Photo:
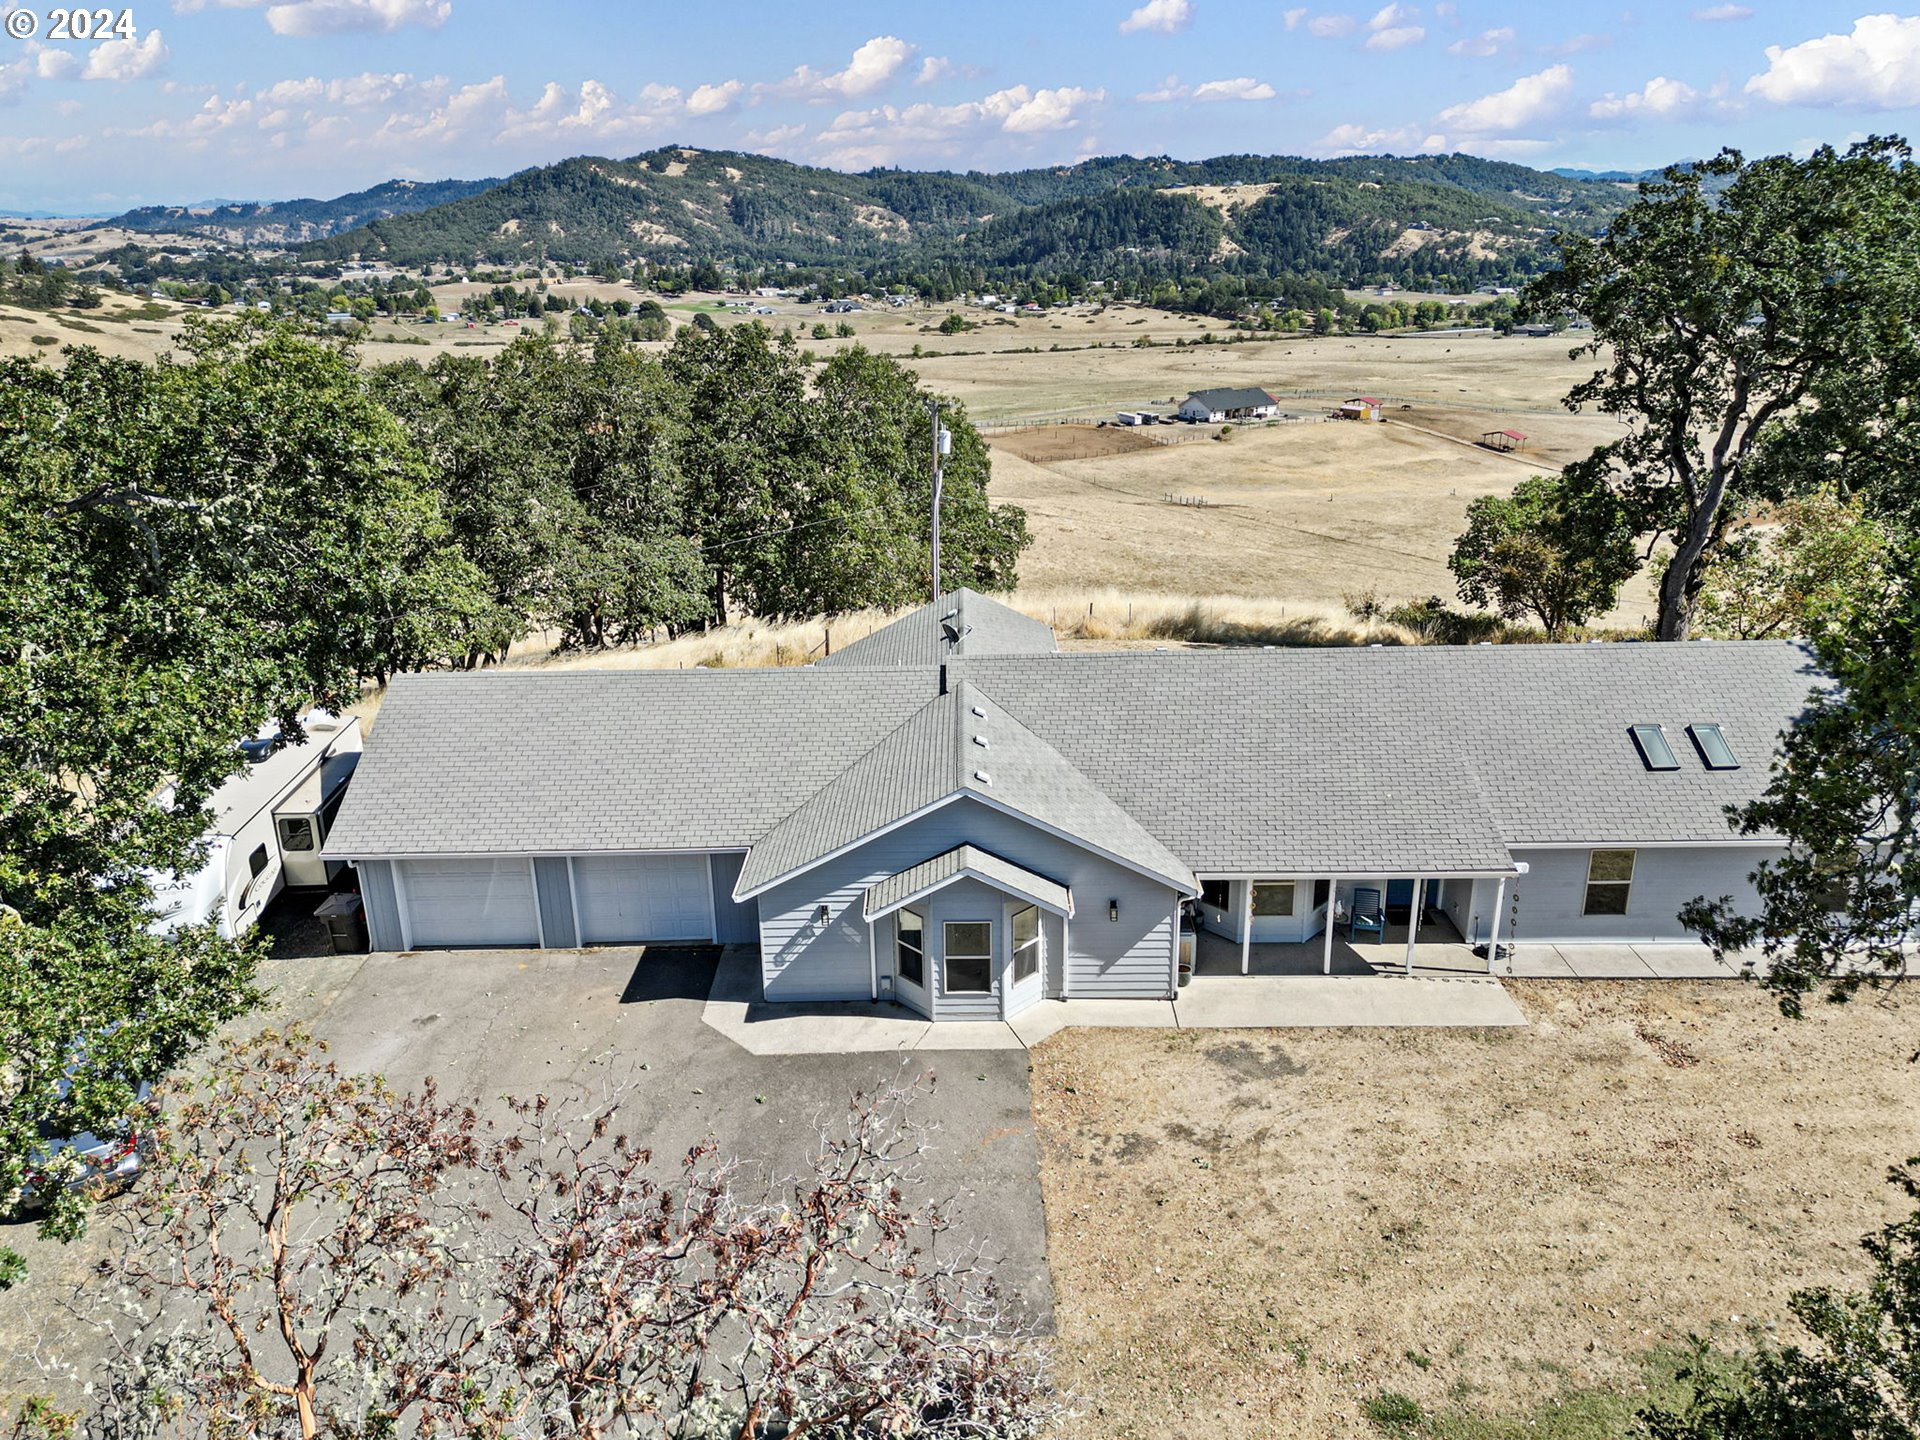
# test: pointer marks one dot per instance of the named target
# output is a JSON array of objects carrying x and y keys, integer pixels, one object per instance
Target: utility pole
[{"x": 942, "y": 447}]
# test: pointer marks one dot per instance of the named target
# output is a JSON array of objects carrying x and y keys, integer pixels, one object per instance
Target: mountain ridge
[
  {"x": 296, "y": 221},
  {"x": 1412, "y": 218}
]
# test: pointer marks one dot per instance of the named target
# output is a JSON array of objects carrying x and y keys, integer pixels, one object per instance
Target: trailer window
[
  {"x": 296, "y": 833},
  {"x": 257, "y": 861}
]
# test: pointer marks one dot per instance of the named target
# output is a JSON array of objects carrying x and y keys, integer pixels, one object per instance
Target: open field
[
  {"x": 1306, "y": 513},
  {"x": 1253, "y": 1234},
  {"x": 1311, "y": 512}
]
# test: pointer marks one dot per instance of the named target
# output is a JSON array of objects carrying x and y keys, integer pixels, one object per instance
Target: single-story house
[
  {"x": 1361, "y": 407},
  {"x": 952, "y": 814},
  {"x": 1216, "y": 406}
]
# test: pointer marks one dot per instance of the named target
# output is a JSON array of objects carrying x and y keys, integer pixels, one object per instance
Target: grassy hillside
[
  {"x": 280, "y": 222},
  {"x": 1349, "y": 220}
]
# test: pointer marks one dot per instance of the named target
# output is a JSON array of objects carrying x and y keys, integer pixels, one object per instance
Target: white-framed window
[
  {"x": 1609, "y": 882},
  {"x": 910, "y": 947},
  {"x": 967, "y": 949},
  {"x": 1026, "y": 943},
  {"x": 1273, "y": 897}
]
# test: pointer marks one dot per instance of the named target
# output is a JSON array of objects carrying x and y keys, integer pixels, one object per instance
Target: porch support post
[
  {"x": 873, "y": 960},
  {"x": 1413, "y": 918},
  {"x": 1246, "y": 928},
  {"x": 1326, "y": 949},
  {"x": 1493, "y": 937}
]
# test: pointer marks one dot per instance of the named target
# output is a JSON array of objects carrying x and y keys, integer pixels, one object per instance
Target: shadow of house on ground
[{"x": 671, "y": 972}]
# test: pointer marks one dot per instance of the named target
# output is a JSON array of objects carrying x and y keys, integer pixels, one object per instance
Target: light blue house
[{"x": 953, "y": 815}]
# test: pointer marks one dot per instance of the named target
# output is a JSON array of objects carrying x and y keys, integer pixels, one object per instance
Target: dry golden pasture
[
  {"x": 1306, "y": 513},
  {"x": 1252, "y": 1232}
]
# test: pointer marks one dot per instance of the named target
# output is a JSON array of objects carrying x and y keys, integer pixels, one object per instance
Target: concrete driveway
[{"x": 486, "y": 1024}]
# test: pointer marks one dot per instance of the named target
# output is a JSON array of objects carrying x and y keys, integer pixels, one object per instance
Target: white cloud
[
  {"x": 1720, "y": 13},
  {"x": 1294, "y": 16},
  {"x": 123, "y": 60},
  {"x": 1877, "y": 65},
  {"x": 51, "y": 62},
  {"x": 1529, "y": 99},
  {"x": 1167, "y": 90},
  {"x": 777, "y": 138},
  {"x": 886, "y": 134},
  {"x": 1396, "y": 37},
  {"x": 1329, "y": 27},
  {"x": 335, "y": 17},
  {"x": 1660, "y": 98},
  {"x": 933, "y": 68},
  {"x": 1164, "y": 17},
  {"x": 1580, "y": 44},
  {"x": 1487, "y": 42},
  {"x": 1355, "y": 139},
  {"x": 1388, "y": 17},
  {"x": 871, "y": 67},
  {"x": 1242, "y": 87},
  {"x": 1044, "y": 109},
  {"x": 713, "y": 99}
]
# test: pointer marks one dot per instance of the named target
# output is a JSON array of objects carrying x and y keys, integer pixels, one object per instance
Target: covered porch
[
  {"x": 1438, "y": 952},
  {"x": 1441, "y": 924}
]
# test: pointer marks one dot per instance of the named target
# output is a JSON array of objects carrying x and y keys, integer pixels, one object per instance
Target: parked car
[{"x": 108, "y": 1163}]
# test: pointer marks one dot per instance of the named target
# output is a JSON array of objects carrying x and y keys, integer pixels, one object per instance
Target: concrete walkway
[
  {"x": 1615, "y": 962},
  {"x": 734, "y": 1009}
]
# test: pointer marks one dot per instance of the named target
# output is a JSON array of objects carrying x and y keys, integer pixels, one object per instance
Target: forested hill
[
  {"x": 284, "y": 222},
  {"x": 1350, "y": 221}
]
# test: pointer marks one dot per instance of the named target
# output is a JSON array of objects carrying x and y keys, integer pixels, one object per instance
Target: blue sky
[{"x": 259, "y": 99}]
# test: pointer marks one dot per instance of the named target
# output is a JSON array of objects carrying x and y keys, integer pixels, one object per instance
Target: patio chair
[{"x": 1367, "y": 914}]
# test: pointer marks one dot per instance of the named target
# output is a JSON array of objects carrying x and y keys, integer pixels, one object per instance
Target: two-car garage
[{"x": 515, "y": 901}]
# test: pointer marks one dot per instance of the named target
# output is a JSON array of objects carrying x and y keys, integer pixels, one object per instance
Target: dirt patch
[
  {"x": 1047, "y": 444},
  {"x": 1251, "y": 1239}
]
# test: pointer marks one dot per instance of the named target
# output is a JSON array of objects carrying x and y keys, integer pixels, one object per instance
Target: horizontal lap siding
[
  {"x": 1131, "y": 958},
  {"x": 1553, "y": 892},
  {"x": 965, "y": 900},
  {"x": 381, "y": 905}
]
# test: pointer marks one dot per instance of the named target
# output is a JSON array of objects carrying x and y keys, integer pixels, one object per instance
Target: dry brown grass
[{"x": 1252, "y": 1232}]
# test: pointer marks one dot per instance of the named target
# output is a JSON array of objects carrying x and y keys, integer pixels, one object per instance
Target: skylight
[
  {"x": 1715, "y": 752},
  {"x": 1651, "y": 742}
]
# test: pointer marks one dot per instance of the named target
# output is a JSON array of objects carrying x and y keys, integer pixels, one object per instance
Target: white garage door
[
  {"x": 469, "y": 902},
  {"x": 627, "y": 898}
]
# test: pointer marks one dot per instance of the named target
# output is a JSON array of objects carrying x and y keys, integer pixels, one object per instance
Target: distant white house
[{"x": 1215, "y": 406}]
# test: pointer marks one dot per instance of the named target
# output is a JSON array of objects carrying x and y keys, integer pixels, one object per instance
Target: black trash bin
[{"x": 346, "y": 924}]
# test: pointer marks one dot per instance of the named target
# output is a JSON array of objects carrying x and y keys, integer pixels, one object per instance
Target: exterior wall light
[
  {"x": 820, "y": 918},
  {"x": 1113, "y": 909}
]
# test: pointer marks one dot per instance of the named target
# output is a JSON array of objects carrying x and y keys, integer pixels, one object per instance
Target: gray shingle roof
[
  {"x": 1398, "y": 757},
  {"x": 572, "y": 762},
  {"x": 930, "y": 875},
  {"x": 1231, "y": 398},
  {"x": 1270, "y": 762},
  {"x": 936, "y": 755},
  {"x": 961, "y": 623}
]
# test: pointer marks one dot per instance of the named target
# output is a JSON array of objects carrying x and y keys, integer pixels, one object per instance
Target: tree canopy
[
  {"x": 1547, "y": 550},
  {"x": 190, "y": 549},
  {"x": 1753, "y": 323}
]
